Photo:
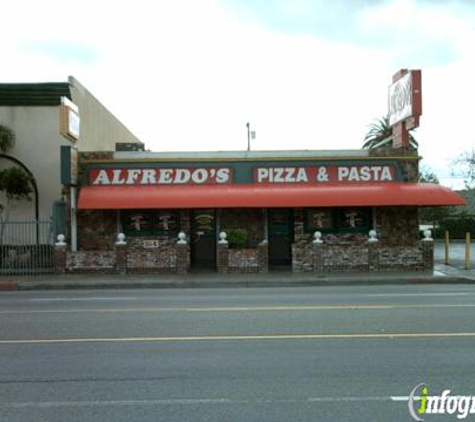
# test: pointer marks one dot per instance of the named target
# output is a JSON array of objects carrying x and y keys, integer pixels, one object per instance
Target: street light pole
[{"x": 248, "y": 137}]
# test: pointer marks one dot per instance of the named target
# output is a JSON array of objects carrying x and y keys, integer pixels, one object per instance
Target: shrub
[
  {"x": 237, "y": 238},
  {"x": 457, "y": 227}
]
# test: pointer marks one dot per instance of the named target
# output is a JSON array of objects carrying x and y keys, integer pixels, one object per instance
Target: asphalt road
[{"x": 283, "y": 354}]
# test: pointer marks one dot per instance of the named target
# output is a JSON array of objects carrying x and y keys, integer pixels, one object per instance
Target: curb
[
  {"x": 28, "y": 286},
  {"x": 8, "y": 286}
]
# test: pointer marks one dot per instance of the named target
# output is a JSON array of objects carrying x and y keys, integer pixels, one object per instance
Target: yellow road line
[
  {"x": 290, "y": 308},
  {"x": 242, "y": 338},
  {"x": 239, "y": 309},
  {"x": 327, "y": 308}
]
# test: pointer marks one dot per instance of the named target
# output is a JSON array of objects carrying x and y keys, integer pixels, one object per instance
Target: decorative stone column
[
  {"x": 427, "y": 251},
  {"x": 182, "y": 254},
  {"x": 263, "y": 256},
  {"x": 60, "y": 249},
  {"x": 317, "y": 244},
  {"x": 223, "y": 254},
  {"x": 373, "y": 251},
  {"x": 299, "y": 233},
  {"x": 121, "y": 254}
]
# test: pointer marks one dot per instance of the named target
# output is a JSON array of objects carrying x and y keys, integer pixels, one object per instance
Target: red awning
[{"x": 266, "y": 196}]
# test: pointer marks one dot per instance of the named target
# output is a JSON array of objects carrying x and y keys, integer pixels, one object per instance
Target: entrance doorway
[
  {"x": 281, "y": 235},
  {"x": 203, "y": 239}
]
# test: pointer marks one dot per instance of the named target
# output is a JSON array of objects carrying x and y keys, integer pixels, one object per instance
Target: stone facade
[
  {"x": 152, "y": 261},
  {"x": 398, "y": 226},
  {"x": 367, "y": 257},
  {"x": 123, "y": 260},
  {"x": 90, "y": 261},
  {"x": 246, "y": 260},
  {"x": 243, "y": 260},
  {"x": 398, "y": 247},
  {"x": 97, "y": 230}
]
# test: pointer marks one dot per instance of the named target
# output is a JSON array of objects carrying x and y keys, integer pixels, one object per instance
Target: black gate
[{"x": 26, "y": 248}]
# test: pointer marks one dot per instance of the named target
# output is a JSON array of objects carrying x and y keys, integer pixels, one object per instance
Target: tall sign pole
[
  {"x": 405, "y": 105},
  {"x": 69, "y": 128}
]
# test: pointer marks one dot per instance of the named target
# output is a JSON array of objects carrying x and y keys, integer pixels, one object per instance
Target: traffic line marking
[
  {"x": 189, "y": 401},
  {"x": 241, "y": 338},
  {"x": 240, "y": 309},
  {"x": 78, "y": 299},
  {"x": 404, "y": 398}
]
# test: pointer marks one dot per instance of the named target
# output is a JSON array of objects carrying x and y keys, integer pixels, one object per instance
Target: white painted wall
[{"x": 38, "y": 143}]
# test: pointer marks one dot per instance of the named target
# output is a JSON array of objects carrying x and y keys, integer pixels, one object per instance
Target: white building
[{"x": 32, "y": 112}]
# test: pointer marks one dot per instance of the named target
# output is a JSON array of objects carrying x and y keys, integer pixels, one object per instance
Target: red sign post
[{"x": 405, "y": 105}]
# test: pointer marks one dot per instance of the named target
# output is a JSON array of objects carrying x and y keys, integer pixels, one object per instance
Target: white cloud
[{"x": 188, "y": 75}]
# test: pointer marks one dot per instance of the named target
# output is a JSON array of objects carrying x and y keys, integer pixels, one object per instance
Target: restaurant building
[{"x": 252, "y": 211}]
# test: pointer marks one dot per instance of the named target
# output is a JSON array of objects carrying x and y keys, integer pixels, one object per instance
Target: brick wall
[
  {"x": 345, "y": 259},
  {"x": 160, "y": 258},
  {"x": 398, "y": 226},
  {"x": 243, "y": 260},
  {"x": 302, "y": 256},
  {"x": 97, "y": 230},
  {"x": 247, "y": 260},
  {"x": 362, "y": 258},
  {"x": 399, "y": 246},
  {"x": 90, "y": 261}
]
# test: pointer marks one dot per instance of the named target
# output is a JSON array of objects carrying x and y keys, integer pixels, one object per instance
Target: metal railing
[{"x": 26, "y": 248}]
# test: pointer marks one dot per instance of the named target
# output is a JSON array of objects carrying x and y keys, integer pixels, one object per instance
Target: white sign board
[
  {"x": 74, "y": 123},
  {"x": 69, "y": 120},
  {"x": 400, "y": 99}
]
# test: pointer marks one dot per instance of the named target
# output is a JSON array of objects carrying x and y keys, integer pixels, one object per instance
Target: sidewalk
[{"x": 442, "y": 274}]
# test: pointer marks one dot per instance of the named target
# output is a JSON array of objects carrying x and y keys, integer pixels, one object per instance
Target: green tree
[
  {"x": 379, "y": 131},
  {"x": 432, "y": 215},
  {"x": 7, "y": 138},
  {"x": 466, "y": 164},
  {"x": 16, "y": 185},
  {"x": 426, "y": 175}
]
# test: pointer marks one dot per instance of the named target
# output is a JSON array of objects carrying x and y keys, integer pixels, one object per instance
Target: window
[
  {"x": 150, "y": 223},
  {"x": 337, "y": 220},
  {"x": 353, "y": 219},
  {"x": 320, "y": 219}
]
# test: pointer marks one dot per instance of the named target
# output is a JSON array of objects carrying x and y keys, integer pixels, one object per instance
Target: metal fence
[{"x": 26, "y": 248}]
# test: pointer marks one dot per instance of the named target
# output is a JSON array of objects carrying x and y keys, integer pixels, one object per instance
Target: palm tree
[
  {"x": 379, "y": 131},
  {"x": 7, "y": 138}
]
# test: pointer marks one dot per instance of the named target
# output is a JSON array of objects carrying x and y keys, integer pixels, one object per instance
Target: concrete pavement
[
  {"x": 453, "y": 273},
  {"x": 291, "y": 354}
]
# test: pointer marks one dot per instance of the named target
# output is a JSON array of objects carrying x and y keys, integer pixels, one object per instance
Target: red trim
[{"x": 266, "y": 196}]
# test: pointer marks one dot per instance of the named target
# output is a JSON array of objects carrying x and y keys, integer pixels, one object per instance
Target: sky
[{"x": 307, "y": 74}]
